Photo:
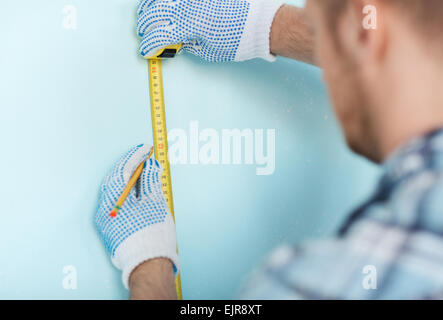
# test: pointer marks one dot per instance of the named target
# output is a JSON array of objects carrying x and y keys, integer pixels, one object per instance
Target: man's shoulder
[
  {"x": 372, "y": 261},
  {"x": 390, "y": 248},
  {"x": 393, "y": 250}
]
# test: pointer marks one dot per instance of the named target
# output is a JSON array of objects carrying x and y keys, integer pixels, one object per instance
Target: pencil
[{"x": 137, "y": 173}]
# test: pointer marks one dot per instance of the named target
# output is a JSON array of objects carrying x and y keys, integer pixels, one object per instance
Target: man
[{"x": 387, "y": 89}]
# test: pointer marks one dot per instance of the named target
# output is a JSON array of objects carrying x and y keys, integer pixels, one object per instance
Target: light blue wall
[{"x": 72, "y": 101}]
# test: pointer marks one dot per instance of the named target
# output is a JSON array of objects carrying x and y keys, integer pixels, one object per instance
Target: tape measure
[{"x": 160, "y": 133}]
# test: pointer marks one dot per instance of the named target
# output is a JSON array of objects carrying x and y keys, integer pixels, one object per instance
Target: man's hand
[
  {"x": 144, "y": 228},
  {"x": 215, "y": 30}
]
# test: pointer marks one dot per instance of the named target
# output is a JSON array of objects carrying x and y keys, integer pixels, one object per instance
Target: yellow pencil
[{"x": 129, "y": 186}]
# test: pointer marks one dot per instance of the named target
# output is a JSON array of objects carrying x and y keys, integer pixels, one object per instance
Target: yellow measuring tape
[{"x": 160, "y": 132}]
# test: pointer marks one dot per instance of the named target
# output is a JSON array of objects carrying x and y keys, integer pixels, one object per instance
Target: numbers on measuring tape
[{"x": 159, "y": 126}]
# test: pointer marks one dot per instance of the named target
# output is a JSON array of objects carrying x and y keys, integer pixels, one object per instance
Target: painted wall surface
[{"x": 73, "y": 100}]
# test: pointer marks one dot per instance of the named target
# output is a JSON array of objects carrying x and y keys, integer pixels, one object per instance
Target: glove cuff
[
  {"x": 155, "y": 241},
  {"x": 255, "y": 42}
]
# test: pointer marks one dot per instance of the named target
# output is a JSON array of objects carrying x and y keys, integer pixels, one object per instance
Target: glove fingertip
[
  {"x": 143, "y": 5},
  {"x": 132, "y": 160},
  {"x": 149, "y": 53},
  {"x": 153, "y": 42}
]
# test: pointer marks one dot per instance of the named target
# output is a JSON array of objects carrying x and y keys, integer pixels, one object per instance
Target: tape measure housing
[{"x": 167, "y": 52}]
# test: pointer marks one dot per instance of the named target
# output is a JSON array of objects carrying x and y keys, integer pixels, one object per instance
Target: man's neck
[{"x": 412, "y": 105}]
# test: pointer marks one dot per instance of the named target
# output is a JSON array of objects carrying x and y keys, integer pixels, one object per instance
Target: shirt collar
[{"x": 416, "y": 155}]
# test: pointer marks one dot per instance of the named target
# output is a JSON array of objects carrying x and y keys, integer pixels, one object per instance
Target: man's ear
[{"x": 361, "y": 30}]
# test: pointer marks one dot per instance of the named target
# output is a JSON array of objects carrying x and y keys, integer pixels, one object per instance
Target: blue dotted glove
[
  {"x": 215, "y": 30},
  {"x": 144, "y": 228}
]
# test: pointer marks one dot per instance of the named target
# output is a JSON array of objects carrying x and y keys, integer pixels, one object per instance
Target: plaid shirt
[{"x": 390, "y": 248}]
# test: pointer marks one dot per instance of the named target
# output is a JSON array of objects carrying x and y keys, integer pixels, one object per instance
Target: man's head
[{"x": 380, "y": 60}]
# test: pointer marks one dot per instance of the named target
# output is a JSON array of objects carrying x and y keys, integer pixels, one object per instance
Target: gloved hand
[
  {"x": 215, "y": 30},
  {"x": 144, "y": 228}
]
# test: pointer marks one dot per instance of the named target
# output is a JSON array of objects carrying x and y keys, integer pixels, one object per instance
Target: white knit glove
[
  {"x": 215, "y": 30},
  {"x": 144, "y": 228}
]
